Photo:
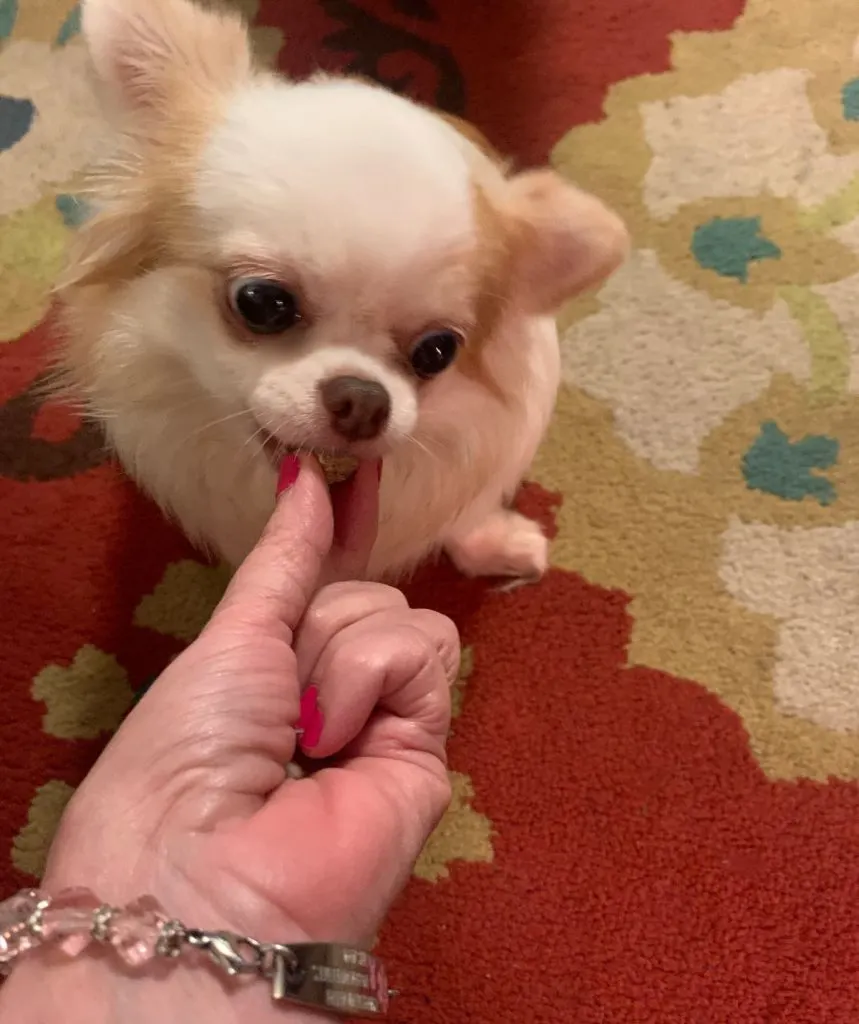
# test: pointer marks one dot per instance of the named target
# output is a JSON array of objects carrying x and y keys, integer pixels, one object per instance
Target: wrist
[{"x": 46, "y": 987}]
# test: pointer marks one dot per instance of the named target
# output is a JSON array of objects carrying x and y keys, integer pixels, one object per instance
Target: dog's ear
[
  {"x": 147, "y": 54},
  {"x": 564, "y": 240}
]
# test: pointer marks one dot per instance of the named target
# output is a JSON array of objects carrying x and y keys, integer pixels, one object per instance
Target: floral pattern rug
[{"x": 655, "y": 751}]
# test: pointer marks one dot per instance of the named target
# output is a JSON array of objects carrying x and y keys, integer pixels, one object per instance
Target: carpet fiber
[{"x": 656, "y": 750}]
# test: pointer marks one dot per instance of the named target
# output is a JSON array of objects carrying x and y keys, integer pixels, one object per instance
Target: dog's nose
[{"x": 357, "y": 409}]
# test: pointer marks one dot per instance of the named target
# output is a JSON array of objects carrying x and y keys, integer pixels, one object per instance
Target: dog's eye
[
  {"x": 265, "y": 307},
  {"x": 434, "y": 352}
]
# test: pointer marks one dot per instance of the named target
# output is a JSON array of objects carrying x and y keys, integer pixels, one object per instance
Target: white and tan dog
[{"x": 320, "y": 265}]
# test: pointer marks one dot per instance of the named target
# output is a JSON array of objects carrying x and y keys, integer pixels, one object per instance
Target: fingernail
[
  {"x": 379, "y": 468},
  {"x": 289, "y": 470},
  {"x": 310, "y": 720}
]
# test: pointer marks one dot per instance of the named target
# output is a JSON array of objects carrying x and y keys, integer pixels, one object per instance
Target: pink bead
[
  {"x": 18, "y": 908},
  {"x": 67, "y": 922},
  {"x": 15, "y": 937},
  {"x": 134, "y": 931}
]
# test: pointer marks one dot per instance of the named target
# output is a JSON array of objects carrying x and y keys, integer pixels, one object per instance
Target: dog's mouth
[{"x": 337, "y": 465}]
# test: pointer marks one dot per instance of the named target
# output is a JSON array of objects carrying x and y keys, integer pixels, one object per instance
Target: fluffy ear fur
[
  {"x": 163, "y": 67},
  {"x": 147, "y": 53},
  {"x": 566, "y": 240}
]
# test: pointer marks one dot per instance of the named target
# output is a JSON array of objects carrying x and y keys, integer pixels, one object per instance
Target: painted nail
[
  {"x": 289, "y": 470},
  {"x": 310, "y": 720}
]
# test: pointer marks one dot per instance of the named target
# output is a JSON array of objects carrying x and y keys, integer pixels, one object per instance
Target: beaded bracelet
[{"x": 318, "y": 975}]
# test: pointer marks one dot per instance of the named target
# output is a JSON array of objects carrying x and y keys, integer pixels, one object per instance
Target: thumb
[{"x": 273, "y": 586}]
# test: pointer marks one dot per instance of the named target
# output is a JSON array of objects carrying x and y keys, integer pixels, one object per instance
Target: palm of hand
[{"x": 191, "y": 802}]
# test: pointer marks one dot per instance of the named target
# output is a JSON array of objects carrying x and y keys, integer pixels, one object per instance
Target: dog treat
[{"x": 337, "y": 468}]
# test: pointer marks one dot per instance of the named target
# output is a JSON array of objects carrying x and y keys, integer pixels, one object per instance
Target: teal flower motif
[
  {"x": 729, "y": 244},
  {"x": 16, "y": 117},
  {"x": 850, "y": 100},
  {"x": 776, "y": 465},
  {"x": 8, "y": 17},
  {"x": 72, "y": 209},
  {"x": 70, "y": 27}
]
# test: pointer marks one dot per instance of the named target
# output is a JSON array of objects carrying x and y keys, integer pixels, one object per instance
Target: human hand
[{"x": 190, "y": 801}]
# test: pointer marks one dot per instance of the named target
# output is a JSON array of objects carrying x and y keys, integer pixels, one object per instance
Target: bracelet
[{"x": 318, "y": 975}]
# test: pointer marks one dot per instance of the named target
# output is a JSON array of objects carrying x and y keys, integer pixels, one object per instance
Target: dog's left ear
[
  {"x": 147, "y": 54},
  {"x": 564, "y": 240}
]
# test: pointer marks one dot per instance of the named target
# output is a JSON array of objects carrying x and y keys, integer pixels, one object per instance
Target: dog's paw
[{"x": 507, "y": 544}]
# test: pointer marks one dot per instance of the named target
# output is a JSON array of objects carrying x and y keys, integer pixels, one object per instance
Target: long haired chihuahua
[{"x": 323, "y": 266}]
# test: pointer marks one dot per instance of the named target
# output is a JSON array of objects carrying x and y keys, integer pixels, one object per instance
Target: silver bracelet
[{"x": 319, "y": 975}]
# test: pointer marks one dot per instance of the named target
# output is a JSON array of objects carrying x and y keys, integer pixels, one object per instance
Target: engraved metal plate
[{"x": 335, "y": 978}]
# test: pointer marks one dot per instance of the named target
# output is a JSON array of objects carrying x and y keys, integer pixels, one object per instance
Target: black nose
[{"x": 357, "y": 409}]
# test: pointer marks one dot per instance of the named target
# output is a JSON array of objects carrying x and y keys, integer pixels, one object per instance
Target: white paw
[{"x": 507, "y": 544}]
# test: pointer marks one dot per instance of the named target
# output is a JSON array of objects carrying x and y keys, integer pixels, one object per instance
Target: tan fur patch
[
  {"x": 144, "y": 212},
  {"x": 494, "y": 273},
  {"x": 498, "y": 242},
  {"x": 476, "y": 137},
  {"x": 146, "y": 221},
  {"x": 171, "y": 51}
]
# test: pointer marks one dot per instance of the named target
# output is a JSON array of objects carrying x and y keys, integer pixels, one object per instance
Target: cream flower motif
[
  {"x": 758, "y": 135},
  {"x": 673, "y": 363},
  {"x": 808, "y": 580},
  {"x": 740, "y": 170},
  {"x": 66, "y": 128}
]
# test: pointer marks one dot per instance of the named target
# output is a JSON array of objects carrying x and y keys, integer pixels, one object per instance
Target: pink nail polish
[
  {"x": 289, "y": 470},
  {"x": 311, "y": 719}
]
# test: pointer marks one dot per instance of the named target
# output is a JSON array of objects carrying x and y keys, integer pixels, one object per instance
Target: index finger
[{"x": 273, "y": 586}]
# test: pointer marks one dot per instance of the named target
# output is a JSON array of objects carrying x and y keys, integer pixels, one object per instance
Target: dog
[{"x": 320, "y": 265}]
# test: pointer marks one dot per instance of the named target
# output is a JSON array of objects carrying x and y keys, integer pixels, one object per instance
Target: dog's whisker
[
  {"x": 422, "y": 446},
  {"x": 217, "y": 423}
]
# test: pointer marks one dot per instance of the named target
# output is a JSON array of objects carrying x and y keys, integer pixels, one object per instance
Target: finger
[
  {"x": 401, "y": 662},
  {"x": 382, "y": 799},
  {"x": 332, "y": 610},
  {"x": 356, "y": 523},
  {"x": 273, "y": 586}
]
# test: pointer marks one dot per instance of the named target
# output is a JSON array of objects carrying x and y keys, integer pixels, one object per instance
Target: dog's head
[{"x": 328, "y": 254}]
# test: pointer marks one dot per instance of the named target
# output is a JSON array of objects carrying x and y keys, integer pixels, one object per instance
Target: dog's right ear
[
  {"x": 149, "y": 54},
  {"x": 564, "y": 240}
]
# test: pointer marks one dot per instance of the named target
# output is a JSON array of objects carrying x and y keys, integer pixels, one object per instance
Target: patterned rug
[{"x": 656, "y": 750}]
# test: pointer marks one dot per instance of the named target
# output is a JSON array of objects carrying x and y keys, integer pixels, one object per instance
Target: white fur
[
  {"x": 365, "y": 205},
  {"x": 189, "y": 439}
]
